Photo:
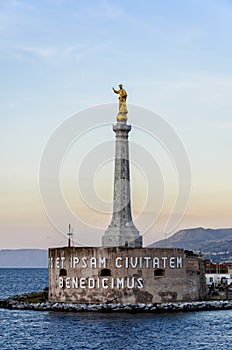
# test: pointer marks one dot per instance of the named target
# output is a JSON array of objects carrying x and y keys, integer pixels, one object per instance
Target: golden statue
[{"x": 122, "y": 115}]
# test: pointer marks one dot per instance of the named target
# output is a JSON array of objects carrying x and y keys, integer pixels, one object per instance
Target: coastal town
[{"x": 219, "y": 280}]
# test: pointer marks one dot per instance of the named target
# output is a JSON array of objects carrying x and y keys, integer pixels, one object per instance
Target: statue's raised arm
[{"x": 122, "y": 100}]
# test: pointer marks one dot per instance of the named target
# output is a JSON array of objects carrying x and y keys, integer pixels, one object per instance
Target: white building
[{"x": 218, "y": 278}]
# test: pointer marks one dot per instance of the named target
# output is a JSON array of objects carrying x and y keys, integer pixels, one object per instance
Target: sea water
[{"x": 22, "y": 329}]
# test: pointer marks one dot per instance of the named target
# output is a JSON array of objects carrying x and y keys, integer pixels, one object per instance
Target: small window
[
  {"x": 159, "y": 272},
  {"x": 63, "y": 272},
  {"x": 105, "y": 272}
]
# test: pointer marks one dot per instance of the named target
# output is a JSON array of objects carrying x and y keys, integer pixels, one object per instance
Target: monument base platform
[{"x": 125, "y": 275}]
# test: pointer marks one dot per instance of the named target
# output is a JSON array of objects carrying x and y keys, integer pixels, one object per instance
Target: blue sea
[{"x": 34, "y": 330}]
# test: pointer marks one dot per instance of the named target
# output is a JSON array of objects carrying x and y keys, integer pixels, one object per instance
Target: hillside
[
  {"x": 213, "y": 243},
  {"x": 23, "y": 258}
]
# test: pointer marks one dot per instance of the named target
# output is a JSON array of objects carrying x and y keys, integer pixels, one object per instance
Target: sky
[{"x": 58, "y": 62}]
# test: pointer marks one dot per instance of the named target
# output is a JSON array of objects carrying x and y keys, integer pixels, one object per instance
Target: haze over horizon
[{"x": 61, "y": 57}]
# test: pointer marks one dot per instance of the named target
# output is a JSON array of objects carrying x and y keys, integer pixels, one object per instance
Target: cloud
[
  {"x": 225, "y": 125},
  {"x": 106, "y": 9},
  {"x": 48, "y": 52},
  {"x": 39, "y": 51}
]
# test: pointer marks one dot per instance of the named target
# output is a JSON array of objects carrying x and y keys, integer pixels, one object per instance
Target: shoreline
[{"x": 13, "y": 304}]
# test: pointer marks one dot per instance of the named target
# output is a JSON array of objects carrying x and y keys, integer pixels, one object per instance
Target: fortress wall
[{"x": 124, "y": 275}]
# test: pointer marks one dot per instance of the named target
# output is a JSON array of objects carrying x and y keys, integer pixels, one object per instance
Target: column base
[{"x": 122, "y": 239}]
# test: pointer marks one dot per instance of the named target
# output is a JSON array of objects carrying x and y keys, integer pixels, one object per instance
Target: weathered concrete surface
[
  {"x": 124, "y": 275},
  {"x": 122, "y": 230}
]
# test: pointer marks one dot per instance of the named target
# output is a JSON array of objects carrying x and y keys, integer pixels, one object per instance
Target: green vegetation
[{"x": 35, "y": 297}]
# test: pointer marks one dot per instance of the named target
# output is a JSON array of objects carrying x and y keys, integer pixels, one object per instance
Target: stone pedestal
[{"x": 122, "y": 231}]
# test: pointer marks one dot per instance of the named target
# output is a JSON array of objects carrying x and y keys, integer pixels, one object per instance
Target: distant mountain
[
  {"x": 23, "y": 258},
  {"x": 213, "y": 243}
]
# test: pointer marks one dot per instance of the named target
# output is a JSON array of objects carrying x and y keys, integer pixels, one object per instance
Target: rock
[
  {"x": 21, "y": 304},
  {"x": 153, "y": 308},
  {"x": 94, "y": 307}
]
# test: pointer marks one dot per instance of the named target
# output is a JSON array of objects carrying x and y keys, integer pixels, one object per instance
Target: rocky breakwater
[{"x": 38, "y": 301}]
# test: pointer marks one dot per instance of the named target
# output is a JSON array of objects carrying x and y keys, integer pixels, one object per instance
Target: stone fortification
[{"x": 124, "y": 275}]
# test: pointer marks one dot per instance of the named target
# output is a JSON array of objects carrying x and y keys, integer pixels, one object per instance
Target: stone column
[{"x": 122, "y": 231}]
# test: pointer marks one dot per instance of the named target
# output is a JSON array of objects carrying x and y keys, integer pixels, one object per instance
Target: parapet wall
[{"x": 124, "y": 275}]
